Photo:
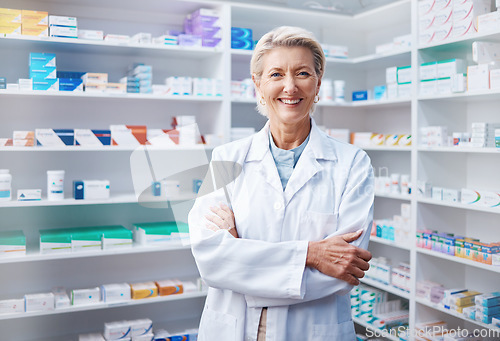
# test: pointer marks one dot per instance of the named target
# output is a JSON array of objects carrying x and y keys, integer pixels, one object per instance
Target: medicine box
[
  {"x": 8, "y": 15},
  {"x": 85, "y": 296},
  {"x": 44, "y": 84},
  {"x": 92, "y": 137},
  {"x": 140, "y": 327},
  {"x": 12, "y": 244},
  {"x": 112, "y": 293},
  {"x": 86, "y": 239},
  {"x": 55, "y": 241},
  {"x": 119, "y": 330},
  {"x": 161, "y": 232},
  {"x": 11, "y": 29},
  {"x": 404, "y": 74},
  {"x": 469, "y": 196},
  {"x": 29, "y": 194},
  {"x": 39, "y": 302},
  {"x": 241, "y": 33},
  {"x": 91, "y": 189},
  {"x": 488, "y": 299},
  {"x": 478, "y": 77},
  {"x": 95, "y": 78},
  {"x": 63, "y": 32},
  {"x": 114, "y": 237},
  {"x": 34, "y": 17},
  {"x": 90, "y": 34},
  {"x": 70, "y": 84},
  {"x": 169, "y": 287},
  {"x": 54, "y": 137},
  {"x": 143, "y": 290},
  {"x": 34, "y": 30},
  {"x": 128, "y": 135},
  {"x": 56, "y": 20},
  {"x": 360, "y": 95},
  {"x": 12, "y": 306}
]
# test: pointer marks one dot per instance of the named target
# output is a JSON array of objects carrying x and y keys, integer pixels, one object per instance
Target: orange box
[
  {"x": 9, "y": 28},
  {"x": 143, "y": 290},
  {"x": 35, "y": 30},
  {"x": 477, "y": 248},
  {"x": 169, "y": 287},
  {"x": 34, "y": 18},
  {"x": 10, "y": 16}
]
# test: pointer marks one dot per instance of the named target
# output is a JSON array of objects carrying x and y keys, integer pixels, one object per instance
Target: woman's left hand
[{"x": 223, "y": 219}]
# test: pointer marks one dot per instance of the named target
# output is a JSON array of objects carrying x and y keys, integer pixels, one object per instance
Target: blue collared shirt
[{"x": 286, "y": 159}]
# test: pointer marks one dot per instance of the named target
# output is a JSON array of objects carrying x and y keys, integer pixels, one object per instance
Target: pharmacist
[{"x": 284, "y": 242}]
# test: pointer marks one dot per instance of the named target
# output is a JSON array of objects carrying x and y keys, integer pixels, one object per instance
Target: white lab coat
[{"x": 330, "y": 192}]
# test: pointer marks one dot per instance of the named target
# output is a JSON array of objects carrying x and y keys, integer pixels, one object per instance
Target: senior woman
[{"x": 282, "y": 244}]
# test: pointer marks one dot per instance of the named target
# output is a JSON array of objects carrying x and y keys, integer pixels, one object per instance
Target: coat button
[{"x": 278, "y": 205}]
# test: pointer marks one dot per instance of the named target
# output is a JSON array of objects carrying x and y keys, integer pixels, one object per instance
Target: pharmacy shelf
[
  {"x": 459, "y": 205},
  {"x": 459, "y": 260},
  {"x": 454, "y": 313},
  {"x": 114, "y": 199},
  {"x": 469, "y": 96},
  {"x": 105, "y": 148},
  {"x": 389, "y": 288},
  {"x": 389, "y": 243},
  {"x": 391, "y": 55},
  {"x": 376, "y": 331},
  {"x": 101, "y": 46},
  {"x": 132, "y": 96},
  {"x": 102, "y": 305},
  {"x": 36, "y": 256},
  {"x": 461, "y": 42},
  {"x": 387, "y": 148},
  {"x": 393, "y": 196},
  {"x": 457, "y": 149}
]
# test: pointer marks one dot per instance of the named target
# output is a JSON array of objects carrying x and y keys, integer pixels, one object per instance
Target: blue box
[
  {"x": 43, "y": 72},
  {"x": 241, "y": 33},
  {"x": 156, "y": 189},
  {"x": 242, "y": 44},
  {"x": 42, "y": 59},
  {"x": 67, "y": 136},
  {"x": 360, "y": 95},
  {"x": 133, "y": 89},
  {"x": 70, "y": 84},
  {"x": 78, "y": 190},
  {"x": 46, "y": 84},
  {"x": 70, "y": 74},
  {"x": 379, "y": 92}
]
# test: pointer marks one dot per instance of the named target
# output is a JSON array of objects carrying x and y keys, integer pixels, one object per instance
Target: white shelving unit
[{"x": 444, "y": 166}]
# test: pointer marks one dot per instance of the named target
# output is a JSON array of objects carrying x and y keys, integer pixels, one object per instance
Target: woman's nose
[{"x": 290, "y": 85}]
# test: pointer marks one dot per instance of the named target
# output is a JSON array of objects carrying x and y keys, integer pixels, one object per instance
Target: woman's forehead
[{"x": 296, "y": 56}]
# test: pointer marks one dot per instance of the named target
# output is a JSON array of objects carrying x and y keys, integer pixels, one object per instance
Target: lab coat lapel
[{"x": 259, "y": 152}]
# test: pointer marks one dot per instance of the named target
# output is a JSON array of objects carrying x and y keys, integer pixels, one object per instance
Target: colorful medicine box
[
  {"x": 86, "y": 239},
  {"x": 162, "y": 232},
  {"x": 92, "y": 137},
  {"x": 55, "y": 241},
  {"x": 114, "y": 237},
  {"x": 12, "y": 244},
  {"x": 70, "y": 84},
  {"x": 169, "y": 287},
  {"x": 143, "y": 290},
  {"x": 55, "y": 137}
]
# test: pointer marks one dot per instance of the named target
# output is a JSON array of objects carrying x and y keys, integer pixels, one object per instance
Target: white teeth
[{"x": 289, "y": 101}]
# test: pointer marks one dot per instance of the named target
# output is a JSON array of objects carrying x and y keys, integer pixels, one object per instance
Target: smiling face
[{"x": 288, "y": 84}]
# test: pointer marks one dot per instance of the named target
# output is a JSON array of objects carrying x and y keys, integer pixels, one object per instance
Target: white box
[
  {"x": 428, "y": 71},
  {"x": 392, "y": 90},
  {"x": 489, "y": 22},
  {"x": 442, "y": 32},
  {"x": 428, "y": 87},
  {"x": 451, "y": 195},
  {"x": 478, "y": 77},
  {"x": 91, "y": 337},
  {"x": 147, "y": 337},
  {"x": 12, "y": 306},
  {"x": 404, "y": 90},
  {"x": 86, "y": 137},
  {"x": 384, "y": 48},
  {"x": 85, "y": 296},
  {"x": 56, "y": 20},
  {"x": 61, "y": 300},
  {"x": 141, "y": 38},
  {"x": 459, "y": 82},
  {"x": 495, "y": 79},
  {"x": 25, "y": 84},
  {"x": 91, "y": 189},
  {"x": 90, "y": 34},
  {"x": 140, "y": 327},
  {"x": 116, "y": 330},
  {"x": 117, "y": 38},
  {"x": 444, "y": 85},
  {"x": 424, "y": 188},
  {"x": 63, "y": 31},
  {"x": 484, "y": 52},
  {"x": 426, "y": 37},
  {"x": 170, "y": 188},
  {"x": 443, "y": 16},
  {"x": 447, "y": 68},
  {"x": 391, "y": 75},
  {"x": 39, "y": 302},
  {"x": 469, "y": 196},
  {"x": 111, "y": 293},
  {"x": 404, "y": 74},
  {"x": 402, "y": 42},
  {"x": 489, "y": 199},
  {"x": 437, "y": 193},
  {"x": 29, "y": 194}
]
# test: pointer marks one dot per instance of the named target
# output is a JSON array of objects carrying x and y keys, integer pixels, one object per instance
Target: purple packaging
[
  {"x": 437, "y": 294},
  {"x": 205, "y": 21},
  {"x": 210, "y": 42},
  {"x": 207, "y": 32},
  {"x": 188, "y": 25},
  {"x": 449, "y": 245},
  {"x": 189, "y": 40}
]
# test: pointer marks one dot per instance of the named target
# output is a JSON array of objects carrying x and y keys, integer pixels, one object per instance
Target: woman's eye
[
  {"x": 276, "y": 74},
  {"x": 304, "y": 73}
]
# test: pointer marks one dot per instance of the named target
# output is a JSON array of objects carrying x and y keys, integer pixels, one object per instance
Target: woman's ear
[
  {"x": 318, "y": 86},
  {"x": 256, "y": 82}
]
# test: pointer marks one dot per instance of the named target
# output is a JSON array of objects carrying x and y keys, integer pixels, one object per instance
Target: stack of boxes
[
  {"x": 139, "y": 79},
  {"x": 202, "y": 28},
  {"x": 3, "y": 83},
  {"x": 441, "y": 20},
  {"x": 12, "y": 244},
  {"x": 396, "y": 229},
  {"x": 241, "y": 38},
  {"x": 35, "y": 23},
  {"x": 483, "y": 134},
  {"x": 43, "y": 71},
  {"x": 10, "y": 21},
  {"x": 95, "y": 82},
  {"x": 442, "y": 77},
  {"x": 398, "y": 81},
  {"x": 63, "y": 27}
]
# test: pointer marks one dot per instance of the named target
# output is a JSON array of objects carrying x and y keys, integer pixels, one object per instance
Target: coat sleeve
[
  {"x": 238, "y": 264},
  {"x": 355, "y": 212}
]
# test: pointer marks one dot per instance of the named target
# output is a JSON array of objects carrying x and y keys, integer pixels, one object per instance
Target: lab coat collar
[{"x": 318, "y": 144}]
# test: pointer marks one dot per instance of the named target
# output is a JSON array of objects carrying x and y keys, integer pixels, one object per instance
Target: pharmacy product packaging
[
  {"x": 55, "y": 241},
  {"x": 478, "y": 77},
  {"x": 39, "y": 302},
  {"x": 169, "y": 287},
  {"x": 85, "y": 296},
  {"x": 39, "y": 18},
  {"x": 140, "y": 327},
  {"x": 86, "y": 239},
  {"x": 63, "y": 32},
  {"x": 128, "y": 135},
  {"x": 56, "y": 20},
  {"x": 12, "y": 244},
  {"x": 91, "y": 189},
  {"x": 113, "y": 293},
  {"x": 61, "y": 298},
  {"x": 116, "y": 237},
  {"x": 95, "y": 78},
  {"x": 29, "y": 194},
  {"x": 92, "y": 137},
  {"x": 55, "y": 137},
  {"x": 118, "y": 330},
  {"x": 90, "y": 34},
  {"x": 70, "y": 84},
  {"x": 143, "y": 290},
  {"x": 12, "y": 306},
  {"x": 162, "y": 232},
  {"x": 489, "y": 22},
  {"x": 485, "y": 52}
]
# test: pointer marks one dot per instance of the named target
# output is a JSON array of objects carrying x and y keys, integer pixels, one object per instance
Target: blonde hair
[{"x": 286, "y": 36}]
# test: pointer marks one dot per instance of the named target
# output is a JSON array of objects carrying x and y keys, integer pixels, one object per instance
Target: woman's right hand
[{"x": 335, "y": 257}]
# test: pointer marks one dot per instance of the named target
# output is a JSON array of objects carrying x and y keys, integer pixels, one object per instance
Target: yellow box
[
  {"x": 8, "y": 28},
  {"x": 8, "y": 15},
  {"x": 143, "y": 290},
  {"x": 35, "y": 30},
  {"x": 35, "y": 17}
]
